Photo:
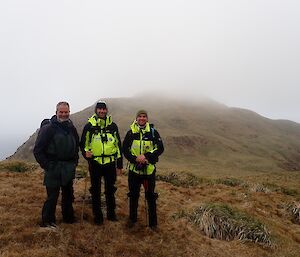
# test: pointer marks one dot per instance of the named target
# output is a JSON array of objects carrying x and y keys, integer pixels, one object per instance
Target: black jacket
[{"x": 56, "y": 150}]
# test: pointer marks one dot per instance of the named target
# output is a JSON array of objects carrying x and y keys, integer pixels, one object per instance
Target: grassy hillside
[
  {"x": 266, "y": 199},
  {"x": 205, "y": 135}
]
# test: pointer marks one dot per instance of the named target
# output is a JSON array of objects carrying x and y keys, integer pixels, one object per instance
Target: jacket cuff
[{"x": 151, "y": 157}]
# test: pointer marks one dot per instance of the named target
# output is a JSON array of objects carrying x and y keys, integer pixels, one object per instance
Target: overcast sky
[{"x": 242, "y": 53}]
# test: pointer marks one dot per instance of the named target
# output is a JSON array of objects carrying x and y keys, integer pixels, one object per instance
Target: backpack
[
  {"x": 48, "y": 121},
  {"x": 45, "y": 122}
]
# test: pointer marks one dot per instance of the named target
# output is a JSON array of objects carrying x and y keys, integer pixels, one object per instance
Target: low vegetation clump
[
  {"x": 230, "y": 182},
  {"x": 294, "y": 210},
  {"x": 289, "y": 191},
  {"x": 260, "y": 188},
  {"x": 17, "y": 166},
  {"x": 221, "y": 222},
  {"x": 183, "y": 179},
  {"x": 275, "y": 188},
  {"x": 81, "y": 171}
]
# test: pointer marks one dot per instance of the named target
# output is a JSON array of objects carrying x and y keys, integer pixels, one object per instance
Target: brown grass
[{"x": 22, "y": 196}]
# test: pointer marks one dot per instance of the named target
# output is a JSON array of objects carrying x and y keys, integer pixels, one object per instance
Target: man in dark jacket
[
  {"x": 101, "y": 147},
  {"x": 142, "y": 146},
  {"x": 56, "y": 150}
]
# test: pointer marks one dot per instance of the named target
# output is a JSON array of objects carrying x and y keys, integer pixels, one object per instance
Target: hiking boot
[
  {"x": 98, "y": 221},
  {"x": 112, "y": 216},
  {"x": 130, "y": 223},
  {"x": 53, "y": 225},
  {"x": 69, "y": 221},
  {"x": 48, "y": 226},
  {"x": 154, "y": 228}
]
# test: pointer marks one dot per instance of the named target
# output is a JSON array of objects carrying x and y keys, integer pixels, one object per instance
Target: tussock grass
[
  {"x": 17, "y": 166},
  {"x": 271, "y": 187},
  {"x": 224, "y": 223},
  {"x": 259, "y": 188},
  {"x": 183, "y": 179},
  {"x": 294, "y": 211}
]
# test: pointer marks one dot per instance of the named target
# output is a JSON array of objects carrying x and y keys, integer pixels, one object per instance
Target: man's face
[
  {"x": 142, "y": 119},
  {"x": 63, "y": 113},
  {"x": 101, "y": 112}
]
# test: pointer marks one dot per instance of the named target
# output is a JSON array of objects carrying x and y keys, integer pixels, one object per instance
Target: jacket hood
[
  {"x": 135, "y": 127},
  {"x": 65, "y": 125},
  {"x": 96, "y": 121}
]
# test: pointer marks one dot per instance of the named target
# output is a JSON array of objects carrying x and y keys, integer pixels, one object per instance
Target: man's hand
[
  {"x": 141, "y": 159},
  {"x": 88, "y": 154},
  {"x": 119, "y": 172}
]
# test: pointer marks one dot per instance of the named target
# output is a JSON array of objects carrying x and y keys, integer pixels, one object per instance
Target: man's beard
[{"x": 62, "y": 119}]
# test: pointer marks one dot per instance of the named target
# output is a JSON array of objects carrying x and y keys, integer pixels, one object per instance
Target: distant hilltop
[{"x": 203, "y": 134}]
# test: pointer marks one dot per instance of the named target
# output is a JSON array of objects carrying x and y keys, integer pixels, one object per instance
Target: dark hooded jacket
[{"x": 56, "y": 150}]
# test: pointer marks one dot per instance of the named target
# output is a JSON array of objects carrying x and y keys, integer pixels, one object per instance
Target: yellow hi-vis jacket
[
  {"x": 142, "y": 143},
  {"x": 102, "y": 140}
]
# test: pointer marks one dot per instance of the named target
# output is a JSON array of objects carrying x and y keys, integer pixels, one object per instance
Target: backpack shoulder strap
[{"x": 152, "y": 129}]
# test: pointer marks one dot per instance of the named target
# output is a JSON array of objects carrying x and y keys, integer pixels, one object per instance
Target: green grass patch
[
  {"x": 275, "y": 188},
  {"x": 289, "y": 191},
  {"x": 18, "y": 166},
  {"x": 233, "y": 182},
  {"x": 183, "y": 179}
]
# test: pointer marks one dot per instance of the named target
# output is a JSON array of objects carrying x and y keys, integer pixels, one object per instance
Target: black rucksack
[{"x": 45, "y": 122}]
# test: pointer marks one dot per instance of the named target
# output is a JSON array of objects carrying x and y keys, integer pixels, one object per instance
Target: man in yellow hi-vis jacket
[
  {"x": 141, "y": 147},
  {"x": 101, "y": 147}
]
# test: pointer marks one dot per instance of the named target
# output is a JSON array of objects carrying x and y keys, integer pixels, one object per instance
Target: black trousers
[
  {"x": 134, "y": 182},
  {"x": 108, "y": 171},
  {"x": 49, "y": 208}
]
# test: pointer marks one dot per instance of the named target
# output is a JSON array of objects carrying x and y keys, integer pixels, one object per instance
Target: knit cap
[{"x": 141, "y": 112}]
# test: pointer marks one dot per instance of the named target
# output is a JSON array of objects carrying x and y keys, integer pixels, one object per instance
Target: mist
[{"x": 237, "y": 52}]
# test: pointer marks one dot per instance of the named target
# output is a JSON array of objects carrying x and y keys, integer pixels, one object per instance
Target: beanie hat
[
  {"x": 141, "y": 112},
  {"x": 100, "y": 105}
]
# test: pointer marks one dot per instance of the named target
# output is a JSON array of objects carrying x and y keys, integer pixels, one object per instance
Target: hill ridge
[{"x": 204, "y": 134}]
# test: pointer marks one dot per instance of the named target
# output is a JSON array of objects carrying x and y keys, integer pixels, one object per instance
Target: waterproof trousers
[
  {"x": 108, "y": 172},
  {"x": 134, "y": 182},
  {"x": 49, "y": 208}
]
